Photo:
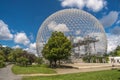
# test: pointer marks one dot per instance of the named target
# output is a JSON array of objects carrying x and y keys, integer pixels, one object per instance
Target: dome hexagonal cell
[{"x": 84, "y": 30}]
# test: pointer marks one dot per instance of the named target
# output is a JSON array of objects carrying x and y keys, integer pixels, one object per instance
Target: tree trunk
[
  {"x": 51, "y": 63},
  {"x": 55, "y": 63},
  {"x": 59, "y": 62}
]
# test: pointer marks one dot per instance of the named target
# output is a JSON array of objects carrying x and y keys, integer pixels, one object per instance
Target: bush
[
  {"x": 2, "y": 64},
  {"x": 22, "y": 61},
  {"x": 39, "y": 60}
]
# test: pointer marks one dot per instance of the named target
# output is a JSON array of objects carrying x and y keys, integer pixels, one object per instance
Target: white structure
[
  {"x": 114, "y": 59},
  {"x": 83, "y": 29}
]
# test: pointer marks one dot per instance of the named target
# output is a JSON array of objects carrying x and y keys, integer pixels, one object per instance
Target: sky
[{"x": 20, "y": 20}]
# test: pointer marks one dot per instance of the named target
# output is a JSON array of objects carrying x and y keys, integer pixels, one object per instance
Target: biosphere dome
[{"x": 83, "y": 29}]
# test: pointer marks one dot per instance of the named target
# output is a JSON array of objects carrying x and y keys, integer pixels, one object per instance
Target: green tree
[
  {"x": 118, "y": 48},
  {"x": 57, "y": 48},
  {"x": 11, "y": 55},
  {"x": 31, "y": 58},
  {"x": 7, "y": 51},
  {"x": 2, "y": 61},
  {"x": 116, "y": 52},
  {"x": 14, "y": 54},
  {"x": 2, "y": 53},
  {"x": 18, "y": 53},
  {"x": 39, "y": 60},
  {"x": 22, "y": 61}
]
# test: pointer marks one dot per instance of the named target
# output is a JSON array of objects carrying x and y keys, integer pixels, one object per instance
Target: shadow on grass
[
  {"x": 118, "y": 78},
  {"x": 64, "y": 66}
]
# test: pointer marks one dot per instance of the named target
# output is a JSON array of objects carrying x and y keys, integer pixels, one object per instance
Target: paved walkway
[
  {"x": 83, "y": 67},
  {"x": 66, "y": 71},
  {"x": 6, "y": 74}
]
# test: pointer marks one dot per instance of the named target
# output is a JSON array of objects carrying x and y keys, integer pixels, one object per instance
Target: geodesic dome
[{"x": 82, "y": 29}]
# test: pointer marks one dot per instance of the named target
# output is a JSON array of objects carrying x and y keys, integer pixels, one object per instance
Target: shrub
[
  {"x": 2, "y": 64},
  {"x": 39, "y": 60},
  {"x": 22, "y": 61}
]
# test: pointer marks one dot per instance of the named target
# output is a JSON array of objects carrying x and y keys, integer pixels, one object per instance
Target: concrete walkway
[
  {"x": 66, "y": 71},
  {"x": 6, "y": 74},
  {"x": 83, "y": 67}
]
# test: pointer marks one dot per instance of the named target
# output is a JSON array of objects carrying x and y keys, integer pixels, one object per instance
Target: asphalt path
[{"x": 6, "y": 74}]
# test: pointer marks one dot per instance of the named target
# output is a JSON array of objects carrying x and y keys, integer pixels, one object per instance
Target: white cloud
[
  {"x": 32, "y": 48},
  {"x": 31, "y": 36},
  {"x": 116, "y": 30},
  {"x": 118, "y": 22},
  {"x": 57, "y": 27},
  {"x": 61, "y": 27},
  {"x": 78, "y": 32},
  {"x": 113, "y": 41},
  {"x": 73, "y": 3},
  {"x": 77, "y": 39},
  {"x": 94, "y": 5},
  {"x": 17, "y": 46},
  {"x": 21, "y": 38},
  {"x": 109, "y": 19},
  {"x": 4, "y": 31},
  {"x": 4, "y": 45}
]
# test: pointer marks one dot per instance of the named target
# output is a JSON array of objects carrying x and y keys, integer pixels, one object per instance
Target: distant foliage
[
  {"x": 2, "y": 61},
  {"x": 18, "y": 56},
  {"x": 95, "y": 59},
  {"x": 23, "y": 58},
  {"x": 22, "y": 61},
  {"x": 39, "y": 60},
  {"x": 116, "y": 52}
]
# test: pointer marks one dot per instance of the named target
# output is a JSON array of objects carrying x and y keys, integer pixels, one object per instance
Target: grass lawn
[
  {"x": 98, "y": 75},
  {"x": 32, "y": 70}
]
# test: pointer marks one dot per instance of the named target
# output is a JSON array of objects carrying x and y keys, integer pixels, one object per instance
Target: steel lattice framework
[{"x": 84, "y": 30}]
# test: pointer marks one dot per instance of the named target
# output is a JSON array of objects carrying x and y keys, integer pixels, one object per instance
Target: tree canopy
[
  {"x": 15, "y": 55},
  {"x": 57, "y": 48}
]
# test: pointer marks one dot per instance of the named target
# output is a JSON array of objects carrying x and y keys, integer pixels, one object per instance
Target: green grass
[
  {"x": 32, "y": 70},
  {"x": 98, "y": 75}
]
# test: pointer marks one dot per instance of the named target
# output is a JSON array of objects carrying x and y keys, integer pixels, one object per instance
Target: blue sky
[{"x": 21, "y": 19}]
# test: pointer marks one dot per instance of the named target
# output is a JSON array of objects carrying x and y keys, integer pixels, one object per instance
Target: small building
[{"x": 114, "y": 59}]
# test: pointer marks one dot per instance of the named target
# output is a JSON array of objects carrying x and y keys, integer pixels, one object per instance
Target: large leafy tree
[
  {"x": 57, "y": 48},
  {"x": 19, "y": 55},
  {"x": 14, "y": 54},
  {"x": 22, "y": 61},
  {"x": 5, "y": 51},
  {"x": 2, "y": 61},
  {"x": 2, "y": 58}
]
